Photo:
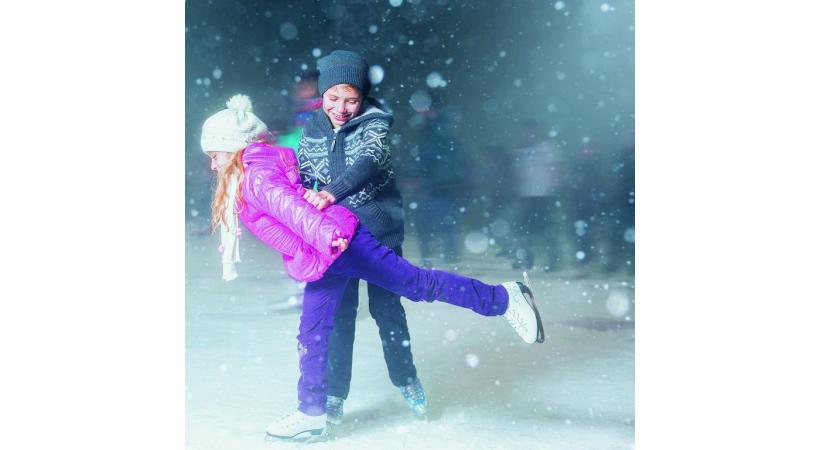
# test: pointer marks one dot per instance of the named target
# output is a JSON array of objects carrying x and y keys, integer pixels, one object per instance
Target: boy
[{"x": 344, "y": 154}]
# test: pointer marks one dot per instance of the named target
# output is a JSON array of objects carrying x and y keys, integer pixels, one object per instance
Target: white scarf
[{"x": 229, "y": 232}]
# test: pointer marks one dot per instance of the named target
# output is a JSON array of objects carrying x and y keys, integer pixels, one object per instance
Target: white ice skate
[
  {"x": 297, "y": 425},
  {"x": 522, "y": 313}
]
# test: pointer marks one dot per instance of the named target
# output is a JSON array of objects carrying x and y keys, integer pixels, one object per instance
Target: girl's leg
[
  {"x": 318, "y": 310},
  {"x": 368, "y": 259}
]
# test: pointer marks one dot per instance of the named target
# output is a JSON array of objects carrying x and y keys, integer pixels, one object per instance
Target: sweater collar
[{"x": 370, "y": 110}]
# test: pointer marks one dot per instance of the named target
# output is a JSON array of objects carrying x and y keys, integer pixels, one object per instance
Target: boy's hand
[
  {"x": 320, "y": 200},
  {"x": 313, "y": 197},
  {"x": 328, "y": 196}
]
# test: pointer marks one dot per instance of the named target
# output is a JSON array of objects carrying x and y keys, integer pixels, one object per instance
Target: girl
[{"x": 258, "y": 183}]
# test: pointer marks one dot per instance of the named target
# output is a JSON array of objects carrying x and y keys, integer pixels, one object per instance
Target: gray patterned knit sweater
[{"x": 354, "y": 165}]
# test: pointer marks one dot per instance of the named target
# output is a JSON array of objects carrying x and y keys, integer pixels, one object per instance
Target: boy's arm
[
  {"x": 306, "y": 178},
  {"x": 367, "y": 164}
]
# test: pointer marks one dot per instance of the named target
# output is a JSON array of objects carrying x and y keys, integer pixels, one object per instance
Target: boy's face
[{"x": 341, "y": 103}]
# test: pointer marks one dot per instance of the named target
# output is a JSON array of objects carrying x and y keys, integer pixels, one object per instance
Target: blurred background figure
[
  {"x": 586, "y": 200},
  {"x": 305, "y": 99},
  {"x": 534, "y": 179},
  {"x": 620, "y": 208},
  {"x": 601, "y": 204},
  {"x": 437, "y": 184}
]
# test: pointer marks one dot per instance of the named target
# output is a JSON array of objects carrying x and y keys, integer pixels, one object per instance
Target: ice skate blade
[
  {"x": 329, "y": 433},
  {"x": 306, "y": 436},
  {"x": 420, "y": 414},
  {"x": 334, "y": 422},
  {"x": 528, "y": 295},
  {"x": 326, "y": 435}
]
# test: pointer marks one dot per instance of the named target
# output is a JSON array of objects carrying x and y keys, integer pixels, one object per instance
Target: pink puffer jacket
[{"x": 275, "y": 212}]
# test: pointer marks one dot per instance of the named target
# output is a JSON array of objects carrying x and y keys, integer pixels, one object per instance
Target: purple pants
[{"x": 367, "y": 259}]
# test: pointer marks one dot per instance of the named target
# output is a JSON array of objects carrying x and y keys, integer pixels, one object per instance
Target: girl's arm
[
  {"x": 278, "y": 236},
  {"x": 284, "y": 202}
]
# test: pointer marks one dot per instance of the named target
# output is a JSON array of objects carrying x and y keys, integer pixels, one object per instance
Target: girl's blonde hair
[{"x": 223, "y": 181}]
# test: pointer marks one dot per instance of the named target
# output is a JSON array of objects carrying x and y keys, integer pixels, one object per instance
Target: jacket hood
[
  {"x": 371, "y": 109},
  {"x": 262, "y": 152}
]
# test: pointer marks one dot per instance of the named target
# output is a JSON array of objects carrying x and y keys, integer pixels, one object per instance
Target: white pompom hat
[{"x": 232, "y": 129}]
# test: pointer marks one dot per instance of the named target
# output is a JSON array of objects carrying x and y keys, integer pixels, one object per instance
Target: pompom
[{"x": 240, "y": 103}]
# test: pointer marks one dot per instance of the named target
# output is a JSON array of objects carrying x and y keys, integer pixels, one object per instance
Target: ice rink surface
[{"x": 486, "y": 388}]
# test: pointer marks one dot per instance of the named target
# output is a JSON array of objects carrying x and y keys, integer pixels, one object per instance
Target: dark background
[{"x": 517, "y": 74}]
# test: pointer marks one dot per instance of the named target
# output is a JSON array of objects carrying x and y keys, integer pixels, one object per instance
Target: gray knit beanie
[{"x": 343, "y": 67}]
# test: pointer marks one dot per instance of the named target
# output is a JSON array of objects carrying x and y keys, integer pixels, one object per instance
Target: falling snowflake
[
  {"x": 421, "y": 101},
  {"x": 376, "y": 74},
  {"x": 476, "y": 242},
  {"x": 288, "y": 31},
  {"x": 435, "y": 80},
  {"x": 618, "y": 304},
  {"x": 471, "y": 359}
]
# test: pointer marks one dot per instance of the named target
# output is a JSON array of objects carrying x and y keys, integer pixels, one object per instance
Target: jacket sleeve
[
  {"x": 367, "y": 164},
  {"x": 276, "y": 235},
  {"x": 283, "y": 201}
]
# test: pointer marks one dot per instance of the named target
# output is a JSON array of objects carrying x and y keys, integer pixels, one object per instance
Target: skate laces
[
  {"x": 514, "y": 303},
  {"x": 335, "y": 407},
  {"x": 513, "y": 313},
  {"x": 295, "y": 418},
  {"x": 296, "y": 424},
  {"x": 521, "y": 300},
  {"x": 413, "y": 393},
  {"x": 292, "y": 418},
  {"x": 334, "y": 402}
]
